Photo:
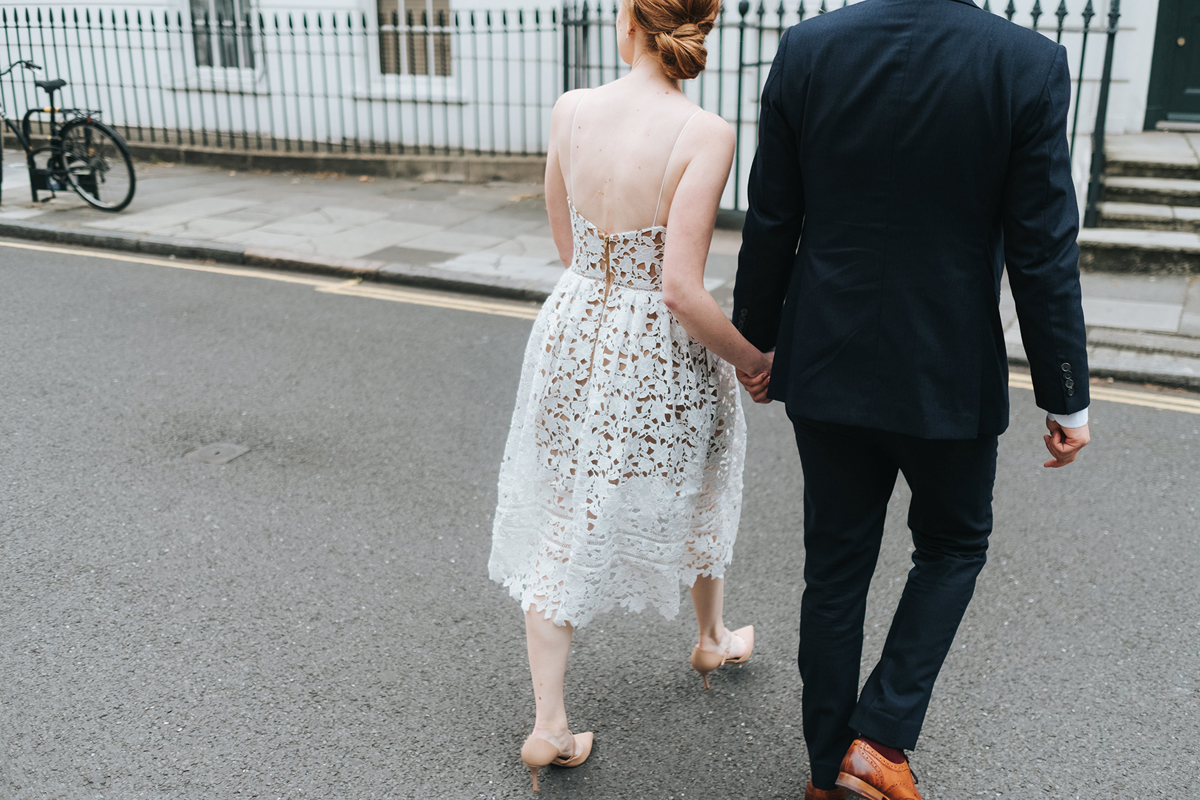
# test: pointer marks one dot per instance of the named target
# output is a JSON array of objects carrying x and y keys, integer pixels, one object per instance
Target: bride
[{"x": 622, "y": 475}]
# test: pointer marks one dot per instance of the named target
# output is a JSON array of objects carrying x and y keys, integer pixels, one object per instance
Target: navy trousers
[{"x": 849, "y": 474}]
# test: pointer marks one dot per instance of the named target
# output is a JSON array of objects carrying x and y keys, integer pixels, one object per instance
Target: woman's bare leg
[
  {"x": 708, "y": 597},
  {"x": 549, "y": 645}
]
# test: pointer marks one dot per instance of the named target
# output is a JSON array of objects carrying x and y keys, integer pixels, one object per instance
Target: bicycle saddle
[{"x": 51, "y": 86}]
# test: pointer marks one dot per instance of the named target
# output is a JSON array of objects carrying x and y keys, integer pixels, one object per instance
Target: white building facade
[{"x": 480, "y": 76}]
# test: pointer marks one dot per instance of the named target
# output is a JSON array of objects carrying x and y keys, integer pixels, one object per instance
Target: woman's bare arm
[
  {"x": 556, "y": 183},
  {"x": 693, "y": 212}
]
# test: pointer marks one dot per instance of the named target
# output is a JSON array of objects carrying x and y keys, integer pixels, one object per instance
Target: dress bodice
[{"x": 630, "y": 259}]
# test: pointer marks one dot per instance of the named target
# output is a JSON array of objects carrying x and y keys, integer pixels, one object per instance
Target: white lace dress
[{"x": 622, "y": 476}]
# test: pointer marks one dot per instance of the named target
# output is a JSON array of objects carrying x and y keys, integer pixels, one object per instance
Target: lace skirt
[{"x": 622, "y": 475}]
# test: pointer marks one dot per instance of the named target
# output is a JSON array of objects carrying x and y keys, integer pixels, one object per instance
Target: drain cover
[{"x": 219, "y": 453}]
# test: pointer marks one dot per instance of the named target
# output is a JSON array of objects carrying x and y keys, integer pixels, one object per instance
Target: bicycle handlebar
[{"x": 24, "y": 63}]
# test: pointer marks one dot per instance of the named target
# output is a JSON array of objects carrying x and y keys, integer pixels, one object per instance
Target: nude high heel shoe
[
  {"x": 705, "y": 661},
  {"x": 537, "y": 753}
]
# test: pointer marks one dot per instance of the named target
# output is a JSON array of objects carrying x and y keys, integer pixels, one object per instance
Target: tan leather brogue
[
  {"x": 813, "y": 793},
  {"x": 868, "y": 774}
]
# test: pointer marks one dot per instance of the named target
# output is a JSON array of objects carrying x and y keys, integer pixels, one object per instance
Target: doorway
[{"x": 1175, "y": 71}]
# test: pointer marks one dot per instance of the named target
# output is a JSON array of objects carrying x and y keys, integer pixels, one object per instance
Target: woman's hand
[{"x": 759, "y": 381}]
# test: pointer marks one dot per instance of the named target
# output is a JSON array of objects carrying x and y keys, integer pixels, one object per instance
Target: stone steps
[
  {"x": 1150, "y": 217},
  {"x": 1152, "y": 169},
  {"x": 1152, "y": 191},
  {"x": 1144, "y": 216},
  {"x": 1153, "y": 155},
  {"x": 1153, "y": 252}
]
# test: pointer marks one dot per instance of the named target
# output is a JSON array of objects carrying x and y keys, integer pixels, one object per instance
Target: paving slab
[
  {"x": 1135, "y": 315},
  {"x": 361, "y": 240},
  {"x": 217, "y": 227},
  {"x": 156, "y": 219},
  {"x": 1189, "y": 322},
  {"x": 1136, "y": 288}
]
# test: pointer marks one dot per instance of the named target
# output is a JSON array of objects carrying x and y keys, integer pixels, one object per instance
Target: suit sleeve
[
  {"x": 774, "y": 218},
  {"x": 1041, "y": 226}
]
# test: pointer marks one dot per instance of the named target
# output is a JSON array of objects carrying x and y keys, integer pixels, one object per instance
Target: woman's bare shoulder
[
  {"x": 711, "y": 134},
  {"x": 567, "y": 103}
]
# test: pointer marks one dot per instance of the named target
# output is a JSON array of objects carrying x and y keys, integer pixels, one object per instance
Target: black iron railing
[
  {"x": 451, "y": 82},
  {"x": 437, "y": 80},
  {"x": 742, "y": 46}
]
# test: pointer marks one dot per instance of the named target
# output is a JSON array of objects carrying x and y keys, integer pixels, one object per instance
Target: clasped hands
[
  {"x": 1064, "y": 444},
  {"x": 756, "y": 383}
]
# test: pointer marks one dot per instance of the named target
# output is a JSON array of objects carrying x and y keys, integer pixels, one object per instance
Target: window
[
  {"x": 222, "y": 34},
  {"x": 406, "y": 36}
]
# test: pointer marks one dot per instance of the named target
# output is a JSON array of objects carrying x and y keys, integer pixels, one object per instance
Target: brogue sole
[{"x": 859, "y": 787}]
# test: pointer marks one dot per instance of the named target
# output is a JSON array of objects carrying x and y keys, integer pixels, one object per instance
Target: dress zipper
[{"x": 608, "y": 279}]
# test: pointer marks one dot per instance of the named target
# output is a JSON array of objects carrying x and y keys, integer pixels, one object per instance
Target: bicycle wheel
[{"x": 96, "y": 163}]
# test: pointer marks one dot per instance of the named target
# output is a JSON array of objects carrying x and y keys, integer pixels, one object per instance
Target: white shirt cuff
[{"x": 1076, "y": 420}]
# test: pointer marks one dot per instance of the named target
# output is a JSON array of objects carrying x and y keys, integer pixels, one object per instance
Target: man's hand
[
  {"x": 757, "y": 384},
  {"x": 1064, "y": 443}
]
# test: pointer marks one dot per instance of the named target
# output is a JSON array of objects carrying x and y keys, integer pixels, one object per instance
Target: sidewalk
[
  {"x": 494, "y": 238},
  {"x": 484, "y": 237}
]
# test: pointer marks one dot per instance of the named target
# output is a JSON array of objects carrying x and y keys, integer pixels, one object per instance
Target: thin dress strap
[
  {"x": 571, "y": 150},
  {"x": 665, "y": 169}
]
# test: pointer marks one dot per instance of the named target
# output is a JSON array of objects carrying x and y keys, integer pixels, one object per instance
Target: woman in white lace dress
[{"x": 622, "y": 476}]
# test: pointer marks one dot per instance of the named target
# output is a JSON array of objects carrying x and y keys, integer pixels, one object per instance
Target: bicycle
[{"x": 83, "y": 154}]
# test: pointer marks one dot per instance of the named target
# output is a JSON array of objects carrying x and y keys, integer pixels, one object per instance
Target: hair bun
[{"x": 675, "y": 30}]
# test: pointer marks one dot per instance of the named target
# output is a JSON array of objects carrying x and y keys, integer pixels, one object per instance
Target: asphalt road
[{"x": 314, "y": 620}]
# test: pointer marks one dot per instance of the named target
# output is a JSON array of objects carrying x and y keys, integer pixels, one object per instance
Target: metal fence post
[
  {"x": 1091, "y": 216},
  {"x": 566, "y": 46},
  {"x": 743, "y": 9},
  {"x": 1088, "y": 13}
]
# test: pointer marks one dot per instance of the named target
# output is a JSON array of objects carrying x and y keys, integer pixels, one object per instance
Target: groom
[{"x": 909, "y": 150}]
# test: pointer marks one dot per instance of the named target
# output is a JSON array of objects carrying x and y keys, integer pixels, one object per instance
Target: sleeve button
[{"x": 1066, "y": 367}]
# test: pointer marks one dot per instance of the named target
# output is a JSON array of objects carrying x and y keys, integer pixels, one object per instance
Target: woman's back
[{"x": 624, "y": 153}]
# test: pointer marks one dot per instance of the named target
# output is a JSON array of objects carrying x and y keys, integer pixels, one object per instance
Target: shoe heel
[
  {"x": 705, "y": 662},
  {"x": 533, "y": 770},
  {"x": 858, "y": 787},
  {"x": 537, "y": 753}
]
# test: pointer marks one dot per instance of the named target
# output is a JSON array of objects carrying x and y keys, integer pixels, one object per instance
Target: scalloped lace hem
[{"x": 520, "y": 590}]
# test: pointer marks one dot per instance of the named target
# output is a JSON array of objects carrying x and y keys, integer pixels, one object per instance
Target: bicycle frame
[
  {"x": 40, "y": 180},
  {"x": 53, "y": 178}
]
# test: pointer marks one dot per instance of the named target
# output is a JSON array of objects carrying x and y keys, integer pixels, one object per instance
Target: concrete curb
[
  {"x": 265, "y": 258},
  {"x": 1163, "y": 368},
  {"x": 1133, "y": 366}
]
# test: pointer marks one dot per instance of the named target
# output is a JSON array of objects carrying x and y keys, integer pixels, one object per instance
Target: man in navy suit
[{"x": 909, "y": 150}]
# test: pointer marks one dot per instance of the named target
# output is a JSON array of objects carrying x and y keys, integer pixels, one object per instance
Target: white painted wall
[{"x": 296, "y": 91}]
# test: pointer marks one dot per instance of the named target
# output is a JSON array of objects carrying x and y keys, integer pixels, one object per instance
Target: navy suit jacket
[{"x": 912, "y": 149}]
